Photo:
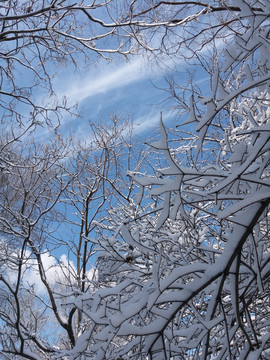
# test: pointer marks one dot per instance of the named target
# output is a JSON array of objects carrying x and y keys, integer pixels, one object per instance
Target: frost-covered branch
[{"x": 184, "y": 274}]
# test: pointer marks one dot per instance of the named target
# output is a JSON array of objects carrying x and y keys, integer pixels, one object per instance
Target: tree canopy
[{"x": 171, "y": 262}]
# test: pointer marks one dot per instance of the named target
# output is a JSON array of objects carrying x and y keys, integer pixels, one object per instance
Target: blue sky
[
  {"x": 128, "y": 88},
  {"x": 118, "y": 87}
]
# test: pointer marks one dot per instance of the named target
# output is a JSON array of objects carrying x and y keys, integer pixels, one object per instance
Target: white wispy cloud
[
  {"x": 150, "y": 122},
  {"x": 116, "y": 87},
  {"x": 105, "y": 79},
  {"x": 59, "y": 273}
]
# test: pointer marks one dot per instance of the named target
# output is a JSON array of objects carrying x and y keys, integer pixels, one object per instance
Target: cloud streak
[{"x": 110, "y": 78}]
